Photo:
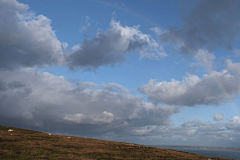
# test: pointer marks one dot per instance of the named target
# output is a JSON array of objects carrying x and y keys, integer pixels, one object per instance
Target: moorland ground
[{"x": 23, "y": 144}]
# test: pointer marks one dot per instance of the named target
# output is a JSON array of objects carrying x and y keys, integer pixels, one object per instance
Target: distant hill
[{"x": 22, "y": 144}]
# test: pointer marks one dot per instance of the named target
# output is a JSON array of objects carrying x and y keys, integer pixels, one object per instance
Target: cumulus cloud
[
  {"x": 48, "y": 100},
  {"x": 234, "y": 123},
  {"x": 210, "y": 24},
  {"x": 218, "y": 117},
  {"x": 110, "y": 47},
  {"x": 193, "y": 90},
  {"x": 25, "y": 38}
]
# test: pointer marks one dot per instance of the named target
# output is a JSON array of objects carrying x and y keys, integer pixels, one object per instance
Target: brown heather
[{"x": 22, "y": 144}]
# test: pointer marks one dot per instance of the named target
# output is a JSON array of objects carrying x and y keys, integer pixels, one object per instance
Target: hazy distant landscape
[
  {"x": 201, "y": 147},
  {"x": 223, "y": 152}
]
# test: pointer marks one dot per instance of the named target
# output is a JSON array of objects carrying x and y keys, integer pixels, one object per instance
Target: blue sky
[{"x": 148, "y": 72}]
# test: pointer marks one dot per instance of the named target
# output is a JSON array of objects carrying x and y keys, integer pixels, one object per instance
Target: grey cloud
[
  {"x": 210, "y": 24},
  {"x": 46, "y": 100},
  {"x": 26, "y": 39},
  {"x": 11, "y": 85},
  {"x": 193, "y": 91},
  {"x": 110, "y": 47},
  {"x": 3, "y": 86},
  {"x": 15, "y": 84}
]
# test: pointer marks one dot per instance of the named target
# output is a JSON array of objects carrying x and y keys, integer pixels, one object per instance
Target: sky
[{"x": 156, "y": 72}]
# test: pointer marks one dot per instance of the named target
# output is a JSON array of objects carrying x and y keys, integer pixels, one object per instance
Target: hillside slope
[{"x": 28, "y": 144}]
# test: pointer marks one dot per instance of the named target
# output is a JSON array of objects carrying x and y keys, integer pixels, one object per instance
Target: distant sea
[{"x": 221, "y": 152}]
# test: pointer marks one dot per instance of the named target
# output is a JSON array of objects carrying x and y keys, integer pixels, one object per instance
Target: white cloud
[
  {"x": 78, "y": 117},
  {"x": 218, "y": 117},
  {"x": 27, "y": 39},
  {"x": 105, "y": 117},
  {"x": 115, "y": 87},
  {"x": 143, "y": 130},
  {"x": 193, "y": 91},
  {"x": 191, "y": 132},
  {"x": 235, "y": 119},
  {"x": 75, "y": 48},
  {"x": 234, "y": 123},
  {"x": 85, "y": 85},
  {"x": 153, "y": 51}
]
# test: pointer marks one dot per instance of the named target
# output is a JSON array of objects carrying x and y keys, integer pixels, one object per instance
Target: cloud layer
[{"x": 44, "y": 100}]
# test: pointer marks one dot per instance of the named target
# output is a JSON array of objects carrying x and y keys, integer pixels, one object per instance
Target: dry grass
[{"x": 25, "y": 144}]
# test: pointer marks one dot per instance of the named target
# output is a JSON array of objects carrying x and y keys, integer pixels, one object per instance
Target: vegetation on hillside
[{"x": 25, "y": 144}]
